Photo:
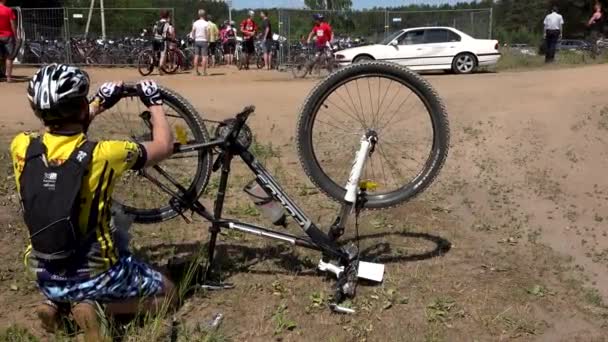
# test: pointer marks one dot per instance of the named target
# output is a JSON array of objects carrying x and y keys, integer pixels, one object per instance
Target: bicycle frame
[
  {"x": 316, "y": 240},
  {"x": 229, "y": 147}
]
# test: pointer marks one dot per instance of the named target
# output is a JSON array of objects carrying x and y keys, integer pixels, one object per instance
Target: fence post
[
  {"x": 491, "y": 22},
  {"x": 386, "y": 23},
  {"x": 66, "y": 34}
]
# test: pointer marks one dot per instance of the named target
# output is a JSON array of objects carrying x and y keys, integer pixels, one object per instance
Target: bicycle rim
[
  {"x": 135, "y": 192},
  {"x": 145, "y": 63},
  {"x": 172, "y": 63},
  {"x": 396, "y": 104}
]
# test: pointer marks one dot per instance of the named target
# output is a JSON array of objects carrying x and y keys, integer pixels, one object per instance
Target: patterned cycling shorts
[{"x": 127, "y": 279}]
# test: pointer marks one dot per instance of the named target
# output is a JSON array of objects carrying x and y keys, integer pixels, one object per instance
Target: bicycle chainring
[{"x": 245, "y": 137}]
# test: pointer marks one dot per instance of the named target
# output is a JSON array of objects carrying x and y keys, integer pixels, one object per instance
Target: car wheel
[
  {"x": 464, "y": 63},
  {"x": 364, "y": 58}
]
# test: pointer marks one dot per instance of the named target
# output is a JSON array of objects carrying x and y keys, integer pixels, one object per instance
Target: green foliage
[{"x": 16, "y": 334}]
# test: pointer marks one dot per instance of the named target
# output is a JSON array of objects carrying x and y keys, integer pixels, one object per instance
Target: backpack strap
[
  {"x": 82, "y": 155},
  {"x": 35, "y": 149}
]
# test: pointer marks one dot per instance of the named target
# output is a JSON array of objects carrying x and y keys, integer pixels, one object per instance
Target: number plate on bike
[{"x": 370, "y": 271}]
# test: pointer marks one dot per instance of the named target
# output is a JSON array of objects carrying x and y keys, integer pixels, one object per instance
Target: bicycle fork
[
  {"x": 354, "y": 198},
  {"x": 354, "y": 189}
]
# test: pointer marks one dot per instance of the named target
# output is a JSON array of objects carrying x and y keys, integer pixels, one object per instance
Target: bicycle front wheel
[
  {"x": 172, "y": 62},
  {"x": 139, "y": 193},
  {"x": 145, "y": 62},
  {"x": 400, "y": 107},
  {"x": 299, "y": 69}
]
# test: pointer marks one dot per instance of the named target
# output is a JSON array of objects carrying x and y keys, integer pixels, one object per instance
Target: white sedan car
[{"x": 428, "y": 48}]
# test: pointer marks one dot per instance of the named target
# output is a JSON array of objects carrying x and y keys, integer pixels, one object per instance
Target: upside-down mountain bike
[{"x": 386, "y": 117}]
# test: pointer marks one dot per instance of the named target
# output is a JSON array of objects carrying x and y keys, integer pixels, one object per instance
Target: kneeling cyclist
[
  {"x": 324, "y": 35},
  {"x": 65, "y": 181}
]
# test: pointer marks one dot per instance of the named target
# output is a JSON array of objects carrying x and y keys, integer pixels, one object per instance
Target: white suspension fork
[{"x": 352, "y": 186}]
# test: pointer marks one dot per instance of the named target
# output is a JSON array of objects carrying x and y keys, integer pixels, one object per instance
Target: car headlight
[{"x": 338, "y": 56}]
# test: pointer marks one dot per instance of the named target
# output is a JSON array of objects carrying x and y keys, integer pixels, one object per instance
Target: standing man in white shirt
[
  {"x": 200, "y": 34},
  {"x": 554, "y": 23}
]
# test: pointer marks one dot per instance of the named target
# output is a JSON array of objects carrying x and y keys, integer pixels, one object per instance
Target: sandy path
[{"x": 529, "y": 149}]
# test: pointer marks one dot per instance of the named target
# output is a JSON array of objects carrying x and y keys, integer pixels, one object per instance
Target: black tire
[
  {"x": 133, "y": 184},
  {"x": 172, "y": 62},
  {"x": 362, "y": 58},
  {"x": 260, "y": 61},
  {"x": 431, "y": 102},
  {"x": 145, "y": 62},
  {"x": 464, "y": 63},
  {"x": 299, "y": 69}
]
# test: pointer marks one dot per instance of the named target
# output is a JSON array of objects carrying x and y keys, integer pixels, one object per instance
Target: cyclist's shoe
[
  {"x": 86, "y": 317},
  {"x": 49, "y": 316}
]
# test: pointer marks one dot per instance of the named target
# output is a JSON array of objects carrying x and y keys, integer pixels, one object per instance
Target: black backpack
[
  {"x": 159, "y": 30},
  {"x": 50, "y": 196}
]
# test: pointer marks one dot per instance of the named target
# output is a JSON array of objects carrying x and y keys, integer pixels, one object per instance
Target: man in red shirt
[
  {"x": 248, "y": 28},
  {"x": 8, "y": 35},
  {"x": 324, "y": 35}
]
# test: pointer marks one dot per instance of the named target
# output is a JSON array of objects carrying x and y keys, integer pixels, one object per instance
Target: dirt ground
[{"x": 511, "y": 242}]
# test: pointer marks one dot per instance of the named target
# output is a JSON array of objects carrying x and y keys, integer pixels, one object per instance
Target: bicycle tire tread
[{"x": 345, "y": 72}]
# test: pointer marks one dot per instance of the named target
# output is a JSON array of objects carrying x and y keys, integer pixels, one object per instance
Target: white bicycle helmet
[
  {"x": 251, "y": 13},
  {"x": 54, "y": 85}
]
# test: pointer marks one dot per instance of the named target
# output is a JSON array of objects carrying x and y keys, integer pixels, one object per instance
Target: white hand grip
[{"x": 352, "y": 186}]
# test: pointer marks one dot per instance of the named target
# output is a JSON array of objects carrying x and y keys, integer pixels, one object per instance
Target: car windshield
[{"x": 391, "y": 37}]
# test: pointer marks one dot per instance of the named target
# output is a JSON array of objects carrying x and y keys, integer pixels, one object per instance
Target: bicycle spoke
[
  {"x": 342, "y": 110},
  {"x": 361, "y": 121},
  {"x": 354, "y": 106}
]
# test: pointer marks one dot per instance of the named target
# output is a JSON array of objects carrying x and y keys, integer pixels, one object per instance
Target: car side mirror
[{"x": 393, "y": 43}]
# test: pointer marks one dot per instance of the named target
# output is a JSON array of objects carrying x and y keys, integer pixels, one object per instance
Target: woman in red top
[{"x": 8, "y": 34}]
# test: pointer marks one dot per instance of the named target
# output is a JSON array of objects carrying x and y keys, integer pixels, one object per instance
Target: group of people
[
  {"x": 554, "y": 29},
  {"x": 206, "y": 35}
]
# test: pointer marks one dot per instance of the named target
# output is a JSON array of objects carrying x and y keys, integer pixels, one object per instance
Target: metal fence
[
  {"x": 57, "y": 34},
  {"x": 83, "y": 35},
  {"x": 371, "y": 26}
]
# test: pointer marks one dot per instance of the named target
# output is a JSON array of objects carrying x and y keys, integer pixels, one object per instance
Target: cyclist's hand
[
  {"x": 109, "y": 94},
  {"x": 149, "y": 93}
]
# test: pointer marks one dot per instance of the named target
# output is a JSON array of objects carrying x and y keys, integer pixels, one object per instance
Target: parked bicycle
[
  {"x": 149, "y": 59},
  {"x": 399, "y": 136},
  {"x": 308, "y": 62}
]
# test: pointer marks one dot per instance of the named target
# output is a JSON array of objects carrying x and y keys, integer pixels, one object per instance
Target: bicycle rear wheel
[
  {"x": 137, "y": 192},
  {"x": 403, "y": 110},
  {"x": 299, "y": 69},
  {"x": 172, "y": 62},
  {"x": 145, "y": 62}
]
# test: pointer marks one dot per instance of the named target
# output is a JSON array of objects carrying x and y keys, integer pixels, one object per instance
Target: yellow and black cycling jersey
[{"x": 110, "y": 160}]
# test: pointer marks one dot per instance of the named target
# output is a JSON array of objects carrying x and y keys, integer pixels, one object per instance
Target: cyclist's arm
[
  {"x": 310, "y": 36},
  {"x": 161, "y": 146}
]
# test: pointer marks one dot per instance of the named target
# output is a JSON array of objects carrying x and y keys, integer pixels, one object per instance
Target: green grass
[
  {"x": 512, "y": 60},
  {"x": 16, "y": 333}
]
